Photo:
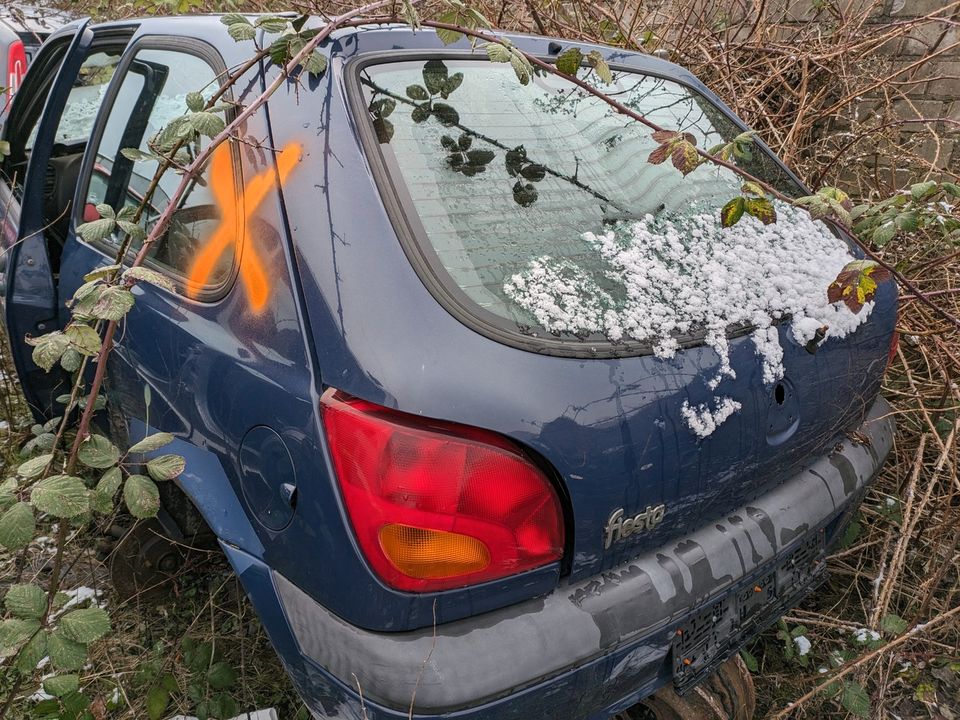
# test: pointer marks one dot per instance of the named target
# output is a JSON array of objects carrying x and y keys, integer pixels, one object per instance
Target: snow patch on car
[{"x": 673, "y": 275}]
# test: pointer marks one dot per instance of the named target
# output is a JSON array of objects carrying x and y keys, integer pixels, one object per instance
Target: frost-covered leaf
[
  {"x": 893, "y": 624},
  {"x": 450, "y": 86},
  {"x": 66, "y": 654},
  {"x": 47, "y": 349},
  {"x": 731, "y": 213},
  {"x": 855, "y": 699},
  {"x": 143, "y": 274},
  {"x": 86, "y": 625},
  {"x": 568, "y": 62},
  {"x": 166, "y": 467},
  {"x": 207, "y": 123},
  {"x": 17, "y": 526},
  {"x": 383, "y": 108},
  {"x": 229, "y": 19},
  {"x": 83, "y": 338},
  {"x": 60, "y": 685},
  {"x": 114, "y": 303},
  {"x": 242, "y": 32},
  {"x": 272, "y": 23},
  {"x": 96, "y": 230},
  {"x": 924, "y": 190},
  {"x": 100, "y": 273},
  {"x": 32, "y": 653},
  {"x": 34, "y": 466},
  {"x": 601, "y": 67},
  {"x": 152, "y": 442},
  {"x": 62, "y": 496},
  {"x": 71, "y": 360},
  {"x": 14, "y": 633},
  {"x": 446, "y": 114},
  {"x": 26, "y": 601},
  {"x": 384, "y": 130},
  {"x": 762, "y": 209},
  {"x": 142, "y": 496},
  {"x": 110, "y": 482},
  {"x": 132, "y": 229},
  {"x": 856, "y": 283},
  {"x": 96, "y": 451},
  {"x": 421, "y": 113},
  {"x": 195, "y": 101}
]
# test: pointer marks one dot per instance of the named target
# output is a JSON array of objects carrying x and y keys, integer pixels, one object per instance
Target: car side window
[{"x": 153, "y": 92}]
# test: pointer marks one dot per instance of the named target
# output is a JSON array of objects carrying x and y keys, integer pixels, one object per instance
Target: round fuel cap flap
[{"x": 267, "y": 477}]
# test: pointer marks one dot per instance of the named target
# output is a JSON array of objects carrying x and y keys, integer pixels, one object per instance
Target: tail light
[
  {"x": 435, "y": 505},
  {"x": 16, "y": 66},
  {"x": 894, "y": 346}
]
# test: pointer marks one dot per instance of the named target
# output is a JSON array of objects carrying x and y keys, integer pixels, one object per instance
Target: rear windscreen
[{"x": 495, "y": 175}]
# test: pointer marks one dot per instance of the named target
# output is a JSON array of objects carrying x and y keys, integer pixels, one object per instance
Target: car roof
[{"x": 32, "y": 19}]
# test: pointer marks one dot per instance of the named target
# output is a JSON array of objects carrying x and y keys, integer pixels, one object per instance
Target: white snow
[
  {"x": 703, "y": 421},
  {"x": 802, "y": 643},
  {"x": 671, "y": 275},
  {"x": 865, "y": 635}
]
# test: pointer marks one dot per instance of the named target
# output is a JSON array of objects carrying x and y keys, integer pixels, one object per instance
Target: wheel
[
  {"x": 726, "y": 695},
  {"x": 144, "y": 561}
]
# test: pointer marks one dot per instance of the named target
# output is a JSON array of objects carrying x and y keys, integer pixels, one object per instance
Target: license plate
[{"x": 708, "y": 638}]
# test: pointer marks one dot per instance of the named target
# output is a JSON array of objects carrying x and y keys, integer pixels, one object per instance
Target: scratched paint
[{"x": 235, "y": 214}]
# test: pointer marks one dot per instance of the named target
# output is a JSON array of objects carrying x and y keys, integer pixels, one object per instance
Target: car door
[{"x": 47, "y": 132}]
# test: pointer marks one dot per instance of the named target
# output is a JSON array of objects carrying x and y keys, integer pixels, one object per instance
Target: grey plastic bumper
[{"x": 464, "y": 664}]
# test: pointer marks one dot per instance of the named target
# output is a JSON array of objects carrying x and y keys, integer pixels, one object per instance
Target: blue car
[{"x": 435, "y": 362}]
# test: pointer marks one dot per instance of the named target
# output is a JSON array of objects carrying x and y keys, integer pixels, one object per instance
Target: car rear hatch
[{"x": 442, "y": 179}]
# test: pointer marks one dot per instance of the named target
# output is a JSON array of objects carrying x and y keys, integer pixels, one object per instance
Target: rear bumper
[{"x": 585, "y": 650}]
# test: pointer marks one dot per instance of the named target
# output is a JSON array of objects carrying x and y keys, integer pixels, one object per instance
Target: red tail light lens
[
  {"x": 894, "y": 346},
  {"x": 436, "y": 505},
  {"x": 16, "y": 66}
]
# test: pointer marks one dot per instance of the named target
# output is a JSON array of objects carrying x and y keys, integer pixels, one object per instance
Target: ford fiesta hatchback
[{"x": 491, "y": 416}]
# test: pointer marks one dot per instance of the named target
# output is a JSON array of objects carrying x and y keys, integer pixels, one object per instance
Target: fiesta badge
[{"x": 619, "y": 528}]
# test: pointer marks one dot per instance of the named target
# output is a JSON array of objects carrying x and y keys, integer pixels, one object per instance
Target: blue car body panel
[{"x": 347, "y": 310}]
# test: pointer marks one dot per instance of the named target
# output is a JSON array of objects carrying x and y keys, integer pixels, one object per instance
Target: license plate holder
[{"x": 705, "y": 640}]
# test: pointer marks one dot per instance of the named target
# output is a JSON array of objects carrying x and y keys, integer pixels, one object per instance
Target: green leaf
[
  {"x": 157, "y": 700},
  {"x": 417, "y": 92},
  {"x": 152, "y": 442},
  {"x": 136, "y": 154},
  {"x": 71, "y": 360},
  {"x": 750, "y": 661},
  {"x": 17, "y": 526},
  {"x": 32, "y": 653},
  {"x": 448, "y": 37},
  {"x": 85, "y": 626},
  {"x": 98, "y": 274},
  {"x": 384, "y": 130},
  {"x": 98, "y": 452},
  {"x": 450, "y": 86},
  {"x": 410, "y": 15},
  {"x": 855, "y": 699},
  {"x": 62, "y": 496},
  {"x": 166, "y": 467},
  {"x": 752, "y": 188},
  {"x": 66, "y": 654},
  {"x": 142, "y": 274},
  {"x": 271, "y": 23},
  {"x": 110, "y": 482},
  {"x": 26, "y": 601},
  {"x": 884, "y": 234},
  {"x": 221, "y": 676},
  {"x": 229, "y": 19},
  {"x": 60, "y": 685},
  {"x": 435, "y": 75},
  {"x": 421, "y": 113},
  {"x": 599, "y": 64},
  {"x": 242, "y": 32},
  {"x": 731, "y": 213},
  {"x": 893, "y": 624},
  {"x": 83, "y": 338},
  {"x": 762, "y": 209},
  {"x": 96, "y": 230},
  {"x": 47, "y": 349},
  {"x": 316, "y": 64},
  {"x": 568, "y": 62},
  {"x": 195, "y": 101},
  {"x": 132, "y": 229},
  {"x": 921, "y": 191},
  {"x": 106, "y": 211},
  {"x": 207, "y": 123},
  {"x": 497, "y": 52},
  {"x": 141, "y": 496},
  {"x": 33, "y": 467},
  {"x": 14, "y": 633},
  {"x": 114, "y": 303}
]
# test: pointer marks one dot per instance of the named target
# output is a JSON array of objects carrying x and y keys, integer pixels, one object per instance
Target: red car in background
[{"x": 23, "y": 28}]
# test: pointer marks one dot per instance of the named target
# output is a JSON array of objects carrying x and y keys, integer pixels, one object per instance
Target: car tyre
[{"x": 728, "y": 694}]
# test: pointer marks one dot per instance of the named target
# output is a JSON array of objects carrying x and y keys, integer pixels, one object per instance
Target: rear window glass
[{"x": 499, "y": 174}]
